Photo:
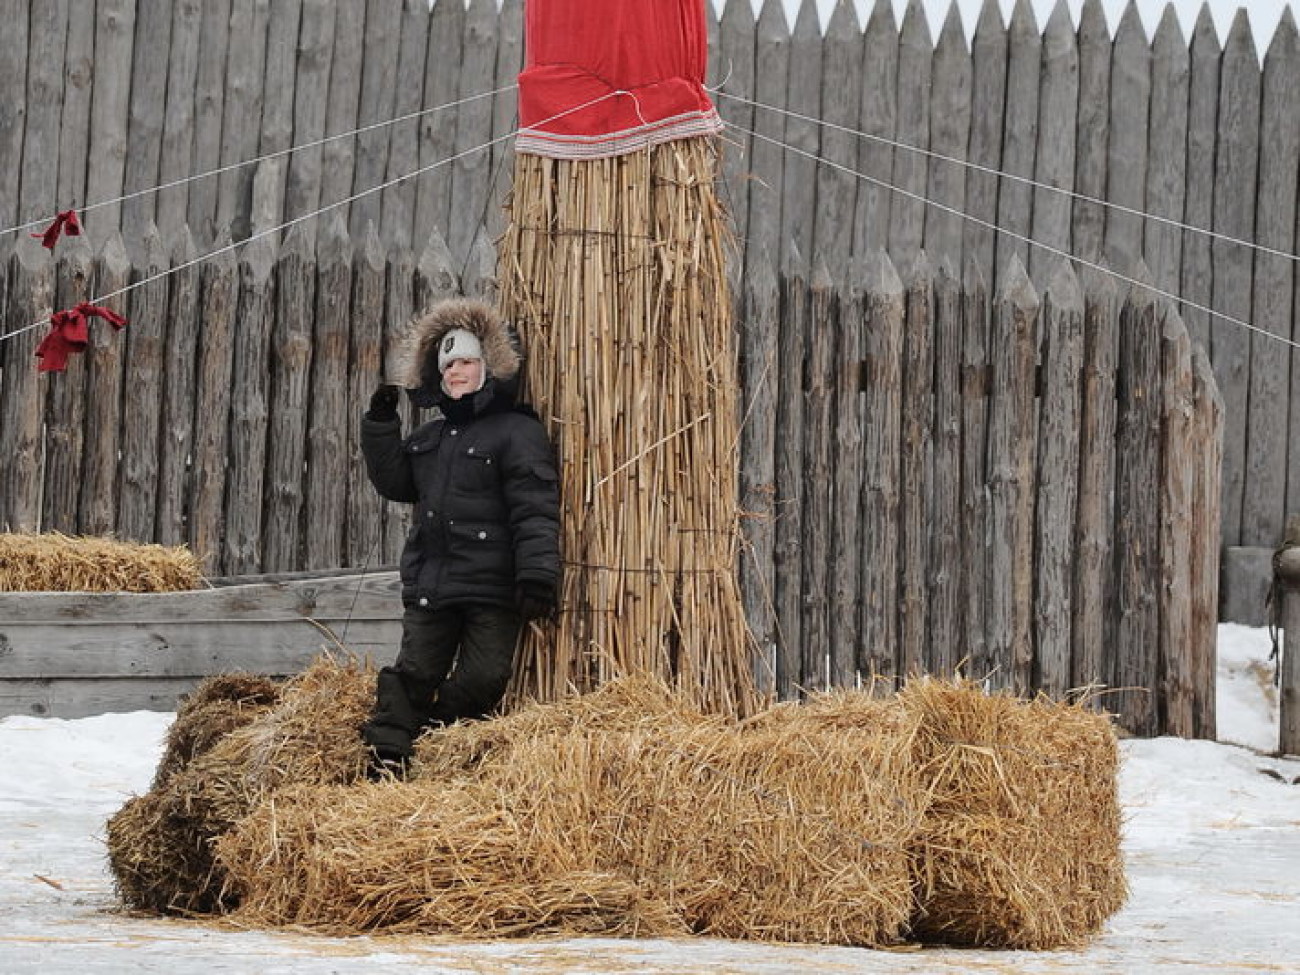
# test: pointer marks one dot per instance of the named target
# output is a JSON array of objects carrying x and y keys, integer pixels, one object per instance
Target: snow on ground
[{"x": 1212, "y": 842}]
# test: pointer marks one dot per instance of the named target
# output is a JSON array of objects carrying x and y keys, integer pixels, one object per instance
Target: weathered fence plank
[
  {"x": 1059, "y": 423},
  {"x": 916, "y": 432},
  {"x": 1088, "y": 219},
  {"x": 438, "y": 125},
  {"x": 836, "y": 185},
  {"x": 735, "y": 63},
  {"x": 245, "y": 69},
  {"x": 505, "y": 110},
  {"x": 143, "y": 376},
  {"x": 399, "y": 310},
  {"x": 1286, "y": 578},
  {"x": 881, "y": 467},
  {"x": 1236, "y": 166},
  {"x": 1137, "y": 528},
  {"x": 290, "y": 397},
  {"x": 1264, "y": 499},
  {"x": 29, "y": 293},
  {"x": 1092, "y": 632},
  {"x": 950, "y": 119},
  {"x": 818, "y": 484},
  {"x": 15, "y": 41},
  {"x": 209, "y": 110},
  {"x": 283, "y": 27},
  {"x": 1196, "y": 277},
  {"x": 907, "y": 209},
  {"x": 1167, "y": 152},
  {"x": 878, "y": 115},
  {"x": 180, "y": 389},
  {"x": 250, "y": 376},
  {"x": 362, "y": 536},
  {"x": 302, "y": 191},
  {"x": 378, "y": 96},
  {"x": 47, "y": 38},
  {"x": 1205, "y": 543},
  {"x": 766, "y": 157},
  {"x": 846, "y": 516},
  {"x": 788, "y": 561},
  {"x": 218, "y": 310},
  {"x": 1011, "y": 429},
  {"x": 176, "y": 153},
  {"x": 945, "y": 631},
  {"x": 1055, "y": 159},
  {"x": 760, "y": 329},
  {"x": 1019, "y": 139},
  {"x": 971, "y": 652},
  {"x": 397, "y": 219},
  {"x": 988, "y": 90},
  {"x": 799, "y": 191},
  {"x": 114, "y": 47},
  {"x": 1130, "y": 105},
  {"x": 471, "y": 177},
  {"x": 1178, "y": 461},
  {"x": 328, "y": 421},
  {"x": 338, "y": 156},
  {"x": 65, "y": 434}
]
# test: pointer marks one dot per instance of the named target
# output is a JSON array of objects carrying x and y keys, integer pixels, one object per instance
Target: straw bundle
[
  {"x": 579, "y": 817},
  {"x": 613, "y": 271},
  {"x": 160, "y": 845},
  {"x": 59, "y": 563},
  {"x": 215, "y": 708},
  {"x": 1020, "y": 846}
]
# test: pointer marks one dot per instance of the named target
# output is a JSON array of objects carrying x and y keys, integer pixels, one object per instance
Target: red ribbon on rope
[
  {"x": 69, "y": 334},
  {"x": 65, "y": 223}
]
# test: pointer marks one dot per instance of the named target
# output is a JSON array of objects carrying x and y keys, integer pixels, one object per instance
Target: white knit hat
[{"x": 458, "y": 344}]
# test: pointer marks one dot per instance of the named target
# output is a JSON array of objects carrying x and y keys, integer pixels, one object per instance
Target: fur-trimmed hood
[{"x": 501, "y": 357}]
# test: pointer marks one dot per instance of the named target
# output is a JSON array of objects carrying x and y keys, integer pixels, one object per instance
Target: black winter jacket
[{"x": 486, "y": 498}]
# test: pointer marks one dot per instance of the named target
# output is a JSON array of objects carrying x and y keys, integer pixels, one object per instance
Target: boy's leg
[
  {"x": 487, "y": 657},
  {"x": 406, "y": 689}
]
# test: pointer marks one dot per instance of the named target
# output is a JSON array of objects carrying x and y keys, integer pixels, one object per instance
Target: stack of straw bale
[
  {"x": 940, "y": 814},
  {"x": 160, "y": 844},
  {"x": 59, "y": 563},
  {"x": 1020, "y": 844},
  {"x": 614, "y": 273}
]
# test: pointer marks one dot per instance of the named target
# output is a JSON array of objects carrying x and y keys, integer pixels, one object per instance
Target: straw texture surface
[{"x": 52, "y": 562}]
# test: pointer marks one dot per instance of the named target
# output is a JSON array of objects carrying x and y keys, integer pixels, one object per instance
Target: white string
[
  {"x": 270, "y": 155},
  {"x": 1027, "y": 181},
  {"x": 309, "y": 216},
  {"x": 1027, "y": 240}
]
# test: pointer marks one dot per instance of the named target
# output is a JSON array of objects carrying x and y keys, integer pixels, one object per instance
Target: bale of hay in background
[
  {"x": 53, "y": 562},
  {"x": 577, "y": 817},
  {"x": 1020, "y": 844},
  {"x": 215, "y": 708},
  {"x": 311, "y": 736}
]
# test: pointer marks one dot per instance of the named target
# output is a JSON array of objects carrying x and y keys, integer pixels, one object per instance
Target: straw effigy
[
  {"x": 160, "y": 844},
  {"x": 586, "y": 816},
  {"x": 52, "y": 562},
  {"x": 1020, "y": 843},
  {"x": 613, "y": 271}
]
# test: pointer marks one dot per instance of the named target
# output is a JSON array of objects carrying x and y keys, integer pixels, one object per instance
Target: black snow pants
[{"x": 416, "y": 692}]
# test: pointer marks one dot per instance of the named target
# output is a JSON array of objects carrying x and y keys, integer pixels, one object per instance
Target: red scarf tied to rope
[
  {"x": 69, "y": 334},
  {"x": 65, "y": 223}
]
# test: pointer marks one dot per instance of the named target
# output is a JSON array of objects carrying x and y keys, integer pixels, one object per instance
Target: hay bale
[
  {"x": 627, "y": 811},
  {"x": 1020, "y": 844},
  {"x": 215, "y": 708},
  {"x": 311, "y": 736},
  {"x": 52, "y": 562}
]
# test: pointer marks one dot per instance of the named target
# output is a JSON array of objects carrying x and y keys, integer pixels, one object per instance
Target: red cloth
[
  {"x": 66, "y": 223},
  {"x": 641, "y": 62},
  {"x": 69, "y": 334}
]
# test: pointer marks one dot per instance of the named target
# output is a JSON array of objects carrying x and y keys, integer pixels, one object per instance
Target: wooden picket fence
[{"x": 1023, "y": 488}]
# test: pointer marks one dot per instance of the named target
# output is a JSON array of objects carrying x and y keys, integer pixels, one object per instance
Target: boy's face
[{"x": 462, "y": 376}]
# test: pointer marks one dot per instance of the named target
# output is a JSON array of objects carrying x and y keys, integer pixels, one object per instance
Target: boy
[{"x": 482, "y": 554}]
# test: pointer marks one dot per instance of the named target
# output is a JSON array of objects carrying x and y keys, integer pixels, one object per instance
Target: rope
[
  {"x": 1172, "y": 296},
  {"x": 270, "y": 155},
  {"x": 308, "y": 216},
  {"x": 1025, "y": 180}
]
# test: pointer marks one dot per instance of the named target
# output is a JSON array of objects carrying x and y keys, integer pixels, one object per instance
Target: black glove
[
  {"x": 383, "y": 404},
  {"x": 534, "y": 600}
]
